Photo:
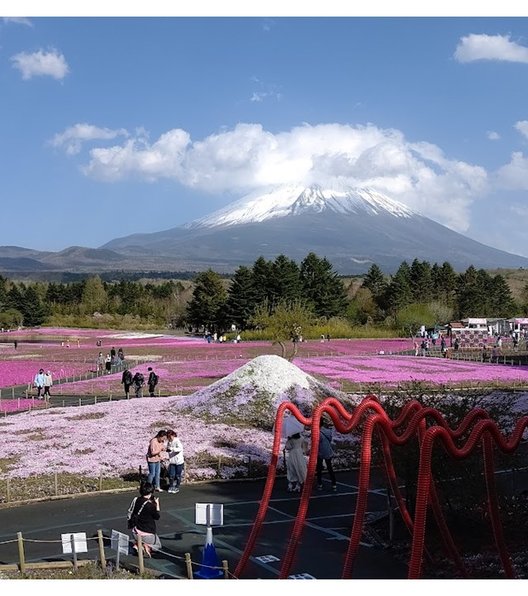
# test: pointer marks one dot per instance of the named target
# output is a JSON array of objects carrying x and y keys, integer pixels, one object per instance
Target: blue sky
[{"x": 112, "y": 126}]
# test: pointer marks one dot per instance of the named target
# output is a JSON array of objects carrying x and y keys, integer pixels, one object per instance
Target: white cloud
[
  {"x": 492, "y": 135},
  {"x": 73, "y": 137},
  {"x": 522, "y": 127},
  {"x": 490, "y": 47},
  {"x": 41, "y": 63},
  {"x": 247, "y": 158},
  {"x": 18, "y": 21},
  {"x": 162, "y": 159},
  {"x": 514, "y": 175}
]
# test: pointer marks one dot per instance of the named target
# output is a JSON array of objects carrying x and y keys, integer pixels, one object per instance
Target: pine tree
[
  {"x": 421, "y": 281},
  {"x": 321, "y": 287},
  {"x": 261, "y": 272},
  {"x": 242, "y": 298},
  {"x": 398, "y": 292},
  {"x": 375, "y": 281},
  {"x": 207, "y": 305},
  {"x": 285, "y": 281}
]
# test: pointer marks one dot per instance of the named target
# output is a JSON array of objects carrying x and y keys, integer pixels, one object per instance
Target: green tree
[
  {"x": 94, "y": 297},
  {"x": 421, "y": 281},
  {"x": 410, "y": 317},
  {"x": 399, "y": 293},
  {"x": 33, "y": 310},
  {"x": 285, "y": 281},
  {"x": 500, "y": 299},
  {"x": 286, "y": 324},
  {"x": 375, "y": 281},
  {"x": 242, "y": 298},
  {"x": 261, "y": 272},
  {"x": 207, "y": 305},
  {"x": 321, "y": 287}
]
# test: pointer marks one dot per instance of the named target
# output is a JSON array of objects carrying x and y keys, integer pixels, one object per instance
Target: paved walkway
[{"x": 320, "y": 554}]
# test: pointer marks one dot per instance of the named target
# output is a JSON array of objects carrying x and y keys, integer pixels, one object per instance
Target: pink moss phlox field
[
  {"x": 392, "y": 370},
  {"x": 22, "y": 372},
  {"x": 112, "y": 438},
  {"x": 19, "y": 405}
]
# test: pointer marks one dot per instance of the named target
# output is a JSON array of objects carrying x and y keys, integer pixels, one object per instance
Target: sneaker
[
  {"x": 319, "y": 487},
  {"x": 171, "y": 490},
  {"x": 175, "y": 490},
  {"x": 159, "y": 490}
]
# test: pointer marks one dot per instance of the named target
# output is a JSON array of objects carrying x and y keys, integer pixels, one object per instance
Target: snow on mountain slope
[{"x": 295, "y": 200}]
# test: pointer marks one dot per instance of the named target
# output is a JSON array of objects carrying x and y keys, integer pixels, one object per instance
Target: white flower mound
[{"x": 251, "y": 394}]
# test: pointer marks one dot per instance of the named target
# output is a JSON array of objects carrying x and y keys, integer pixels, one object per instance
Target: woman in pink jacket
[{"x": 155, "y": 452}]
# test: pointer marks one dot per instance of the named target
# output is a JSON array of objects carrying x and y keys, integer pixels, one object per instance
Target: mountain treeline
[{"x": 418, "y": 293}]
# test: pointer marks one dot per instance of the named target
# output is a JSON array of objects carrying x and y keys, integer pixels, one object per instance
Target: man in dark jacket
[{"x": 152, "y": 381}]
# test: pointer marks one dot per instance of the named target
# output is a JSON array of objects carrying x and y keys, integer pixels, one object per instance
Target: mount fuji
[{"x": 352, "y": 227}]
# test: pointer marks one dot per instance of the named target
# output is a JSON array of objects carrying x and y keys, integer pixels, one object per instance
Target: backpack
[
  {"x": 153, "y": 378},
  {"x": 139, "y": 379},
  {"x": 132, "y": 518},
  {"x": 127, "y": 377}
]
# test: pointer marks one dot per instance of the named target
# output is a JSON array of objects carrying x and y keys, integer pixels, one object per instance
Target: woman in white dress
[{"x": 296, "y": 466}]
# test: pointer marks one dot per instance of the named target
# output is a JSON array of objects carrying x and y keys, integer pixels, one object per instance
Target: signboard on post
[
  {"x": 119, "y": 542},
  {"x": 78, "y": 540},
  {"x": 209, "y": 514}
]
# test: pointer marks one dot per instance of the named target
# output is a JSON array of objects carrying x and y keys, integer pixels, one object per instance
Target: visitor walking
[
  {"x": 176, "y": 461},
  {"x": 39, "y": 383},
  {"x": 100, "y": 362},
  {"x": 155, "y": 451},
  {"x": 48, "y": 382},
  {"x": 143, "y": 513},
  {"x": 108, "y": 364},
  {"x": 296, "y": 466},
  {"x": 325, "y": 454},
  {"x": 121, "y": 354},
  {"x": 126, "y": 380},
  {"x": 138, "y": 381},
  {"x": 152, "y": 381}
]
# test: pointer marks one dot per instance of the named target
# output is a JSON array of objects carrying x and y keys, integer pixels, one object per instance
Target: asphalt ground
[{"x": 320, "y": 553}]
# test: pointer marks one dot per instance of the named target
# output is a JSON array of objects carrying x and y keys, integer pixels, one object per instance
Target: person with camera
[
  {"x": 156, "y": 451},
  {"x": 143, "y": 513}
]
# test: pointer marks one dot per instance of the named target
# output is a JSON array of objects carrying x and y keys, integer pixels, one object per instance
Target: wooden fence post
[
  {"x": 8, "y": 489},
  {"x": 100, "y": 480},
  {"x": 140, "y": 555},
  {"x": 102, "y": 557},
  {"x": 226, "y": 569},
  {"x": 56, "y": 479},
  {"x": 21, "y": 555},
  {"x": 188, "y": 564}
]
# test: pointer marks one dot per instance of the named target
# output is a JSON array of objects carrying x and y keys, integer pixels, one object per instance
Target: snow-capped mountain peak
[{"x": 294, "y": 200}]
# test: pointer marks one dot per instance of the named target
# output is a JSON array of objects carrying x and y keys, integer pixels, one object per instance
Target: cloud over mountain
[{"x": 248, "y": 157}]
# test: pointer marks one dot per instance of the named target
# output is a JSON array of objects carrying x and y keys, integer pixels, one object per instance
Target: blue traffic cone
[{"x": 209, "y": 560}]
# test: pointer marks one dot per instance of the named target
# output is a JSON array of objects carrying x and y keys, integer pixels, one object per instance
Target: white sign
[
  {"x": 119, "y": 542},
  {"x": 209, "y": 514},
  {"x": 267, "y": 558},
  {"x": 79, "y": 542}
]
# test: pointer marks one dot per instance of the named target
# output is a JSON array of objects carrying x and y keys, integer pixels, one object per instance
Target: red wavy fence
[{"x": 415, "y": 421}]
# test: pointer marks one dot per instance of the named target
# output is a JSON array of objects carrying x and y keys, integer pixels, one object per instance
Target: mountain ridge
[{"x": 352, "y": 227}]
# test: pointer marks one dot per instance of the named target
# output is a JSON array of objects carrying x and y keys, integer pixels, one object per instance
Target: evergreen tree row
[{"x": 314, "y": 284}]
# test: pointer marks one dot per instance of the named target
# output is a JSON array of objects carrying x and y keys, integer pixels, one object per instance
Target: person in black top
[
  {"x": 126, "y": 380},
  {"x": 152, "y": 381},
  {"x": 145, "y": 512}
]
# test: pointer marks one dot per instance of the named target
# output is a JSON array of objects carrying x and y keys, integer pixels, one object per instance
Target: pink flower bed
[
  {"x": 19, "y": 405},
  {"x": 22, "y": 372},
  {"x": 392, "y": 370}
]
